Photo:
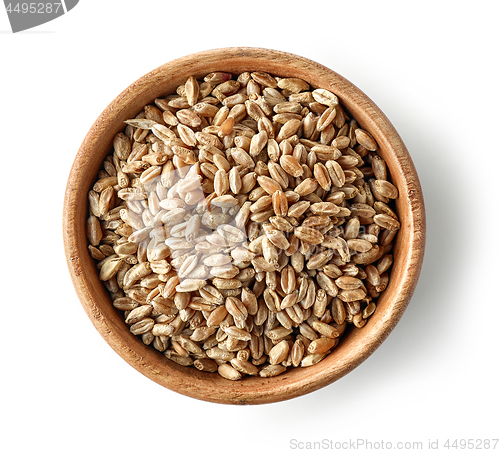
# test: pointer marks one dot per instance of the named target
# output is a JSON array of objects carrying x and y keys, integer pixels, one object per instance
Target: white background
[{"x": 431, "y": 66}]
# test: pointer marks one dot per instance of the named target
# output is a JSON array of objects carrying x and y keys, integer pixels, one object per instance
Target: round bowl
[{"x": 354, "y": 347}]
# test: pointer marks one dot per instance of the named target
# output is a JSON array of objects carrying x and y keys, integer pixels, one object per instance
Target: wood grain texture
[{"x": 358, "y": 344}]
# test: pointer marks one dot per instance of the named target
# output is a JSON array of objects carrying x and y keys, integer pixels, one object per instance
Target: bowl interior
[{"x": 355, "y": 346}]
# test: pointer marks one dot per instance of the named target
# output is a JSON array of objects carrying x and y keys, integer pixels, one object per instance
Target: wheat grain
[{"x": 249, "y": 216}]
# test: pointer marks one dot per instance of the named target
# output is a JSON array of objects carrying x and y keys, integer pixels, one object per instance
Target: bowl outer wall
[{"x": 354, "y": 348}]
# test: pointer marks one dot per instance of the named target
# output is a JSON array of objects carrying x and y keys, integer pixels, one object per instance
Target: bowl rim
[{"x": 294, "y": 382}]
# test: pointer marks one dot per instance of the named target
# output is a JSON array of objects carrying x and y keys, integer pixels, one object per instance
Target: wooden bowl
[{"x": 358, "y": 344}]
